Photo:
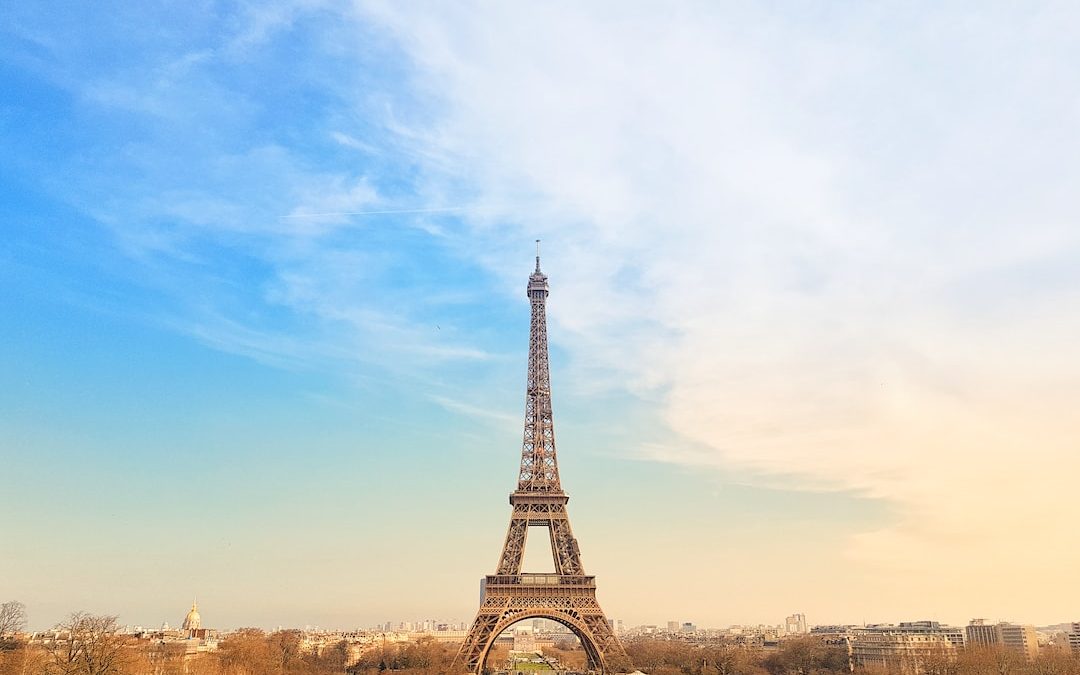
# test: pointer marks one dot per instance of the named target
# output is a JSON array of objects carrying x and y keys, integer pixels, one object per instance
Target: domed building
[{"x": 192, "y": 622}]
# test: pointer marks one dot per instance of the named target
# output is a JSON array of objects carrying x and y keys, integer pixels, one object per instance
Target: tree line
[
  {"x": 86, "y": 644},
  {"x": 813, "y": 656}
]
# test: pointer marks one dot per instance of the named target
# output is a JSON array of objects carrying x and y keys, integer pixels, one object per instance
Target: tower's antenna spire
[{"x": 537, "y": 255}]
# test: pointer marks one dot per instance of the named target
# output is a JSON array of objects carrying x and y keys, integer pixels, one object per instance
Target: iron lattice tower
[{"x": 567, "y": 596}]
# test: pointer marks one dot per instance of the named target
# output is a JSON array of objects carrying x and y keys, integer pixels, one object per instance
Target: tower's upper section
[
  {"x": 539, "y": 467},
  {"x": 537, "y": 280}
]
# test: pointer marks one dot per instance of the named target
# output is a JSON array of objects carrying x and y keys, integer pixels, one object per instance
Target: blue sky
[{"x": 814, "y": 290}]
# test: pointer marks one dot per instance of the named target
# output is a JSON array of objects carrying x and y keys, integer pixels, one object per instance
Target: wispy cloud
[
  {"x": 827, "y": 239},
  {"x": 501, "y": 417},
  {"x": 246, "y": 215}
]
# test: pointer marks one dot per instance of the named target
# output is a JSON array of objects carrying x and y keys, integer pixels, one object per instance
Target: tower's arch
[{"x": 569, "y": 619}]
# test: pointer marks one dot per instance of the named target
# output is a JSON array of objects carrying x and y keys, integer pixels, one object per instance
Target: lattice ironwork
[
  {"x": 568, "y": 596},
  {"x": 539, "y": 468}
]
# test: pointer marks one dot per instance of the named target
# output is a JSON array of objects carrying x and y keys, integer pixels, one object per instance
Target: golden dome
[{"x": 192, "y": 621}]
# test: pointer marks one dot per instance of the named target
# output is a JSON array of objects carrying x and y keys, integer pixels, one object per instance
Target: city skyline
[
  {"x": 975, "y": 629},
  {"x": 814, "y": 311}
]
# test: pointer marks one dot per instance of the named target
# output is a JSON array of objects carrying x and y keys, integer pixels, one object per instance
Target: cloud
[
  {"x": 233, "y": 185},
  {"x": 499, "y": 417},
  {"x": 842, "y": 247}
]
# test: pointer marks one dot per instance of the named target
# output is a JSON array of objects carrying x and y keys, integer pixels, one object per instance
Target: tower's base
[{"x": 567, "y": 599}]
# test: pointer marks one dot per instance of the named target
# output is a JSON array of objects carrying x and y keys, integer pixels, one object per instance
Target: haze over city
[{"x": 814, "y": 306}]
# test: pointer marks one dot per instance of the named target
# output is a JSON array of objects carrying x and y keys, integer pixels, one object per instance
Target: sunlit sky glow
[{"x": 815, "y": 306}]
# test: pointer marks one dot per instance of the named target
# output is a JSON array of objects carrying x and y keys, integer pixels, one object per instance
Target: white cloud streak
[{"x": 842, "y": 245}]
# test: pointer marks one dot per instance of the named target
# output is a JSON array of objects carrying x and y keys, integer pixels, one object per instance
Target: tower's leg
[
  {"x": 514, "y": 548},
  {"x": 475, "y": 647},
  {"x": 565, "y": 547}
]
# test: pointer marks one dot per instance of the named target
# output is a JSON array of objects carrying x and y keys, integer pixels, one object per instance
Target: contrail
[{"x": 437, "y": 209}]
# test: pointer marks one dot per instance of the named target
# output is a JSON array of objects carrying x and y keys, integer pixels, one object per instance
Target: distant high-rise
[
  {"x": 1020, "y": 638},
  {"x": 673, "y": 626},
  {"x": 980, "y": 633},
  {"x": 796, "y": 625},
  {"x": 1074, "y": 637}
]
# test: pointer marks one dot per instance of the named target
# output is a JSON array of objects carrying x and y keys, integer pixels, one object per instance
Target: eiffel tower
[{"x": 567, "y": 596}]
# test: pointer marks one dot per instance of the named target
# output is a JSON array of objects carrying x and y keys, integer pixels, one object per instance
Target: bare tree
[
  {"x": 86, "y": 645},
  {"x": 156, "y": 658},
  {"x": 940, "y": 662},
  {"x": 23, "y": 660},
  {"x": 285, "y": 647},
  {"x": 247, "y": 652},
  {"x": 12, "y": 619},
  {"x": 16, "y": 657},
  {"x": 726, "y": 660}
]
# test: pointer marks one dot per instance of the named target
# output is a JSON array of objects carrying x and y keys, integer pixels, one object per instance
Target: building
[
  {"x": 1019, "y": 638},
  {"x": 796, "y": 625},
  {"x": 192, "y": 622},
  {"x": 525, "y": 642},
  {"x": 191, "y": 630},
  {"x": 954, "y": 634},
  {"x": 906, "y": 647},
  {"x": 981, "y": 634},
  {"x": 673, "y": 626},
  {"x": 1073, "y": 637},
  {"x": 905, "y": 652}
]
